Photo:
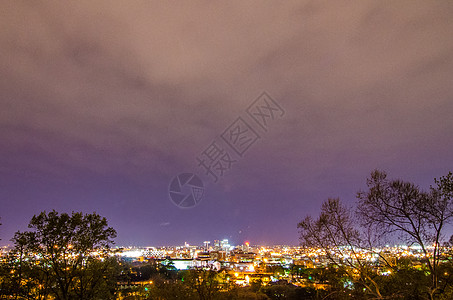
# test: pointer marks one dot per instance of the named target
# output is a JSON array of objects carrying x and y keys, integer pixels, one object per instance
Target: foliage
[{"x": 63, "y": 257}]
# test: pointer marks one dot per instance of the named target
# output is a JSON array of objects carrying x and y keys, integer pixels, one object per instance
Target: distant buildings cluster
[
  {"x": 246, "y": 263},
  {"x": 270, "y": 263}
]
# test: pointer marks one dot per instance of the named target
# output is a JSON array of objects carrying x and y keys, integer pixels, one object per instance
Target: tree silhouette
[
  {"x": 388, "y": 210},
  {"x": 65, "y": 256},
  {"x": 335, "y": 232},
  {"x": 392, "y": 207}
]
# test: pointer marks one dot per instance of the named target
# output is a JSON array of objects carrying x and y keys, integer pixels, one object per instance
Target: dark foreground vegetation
[
  {"x": 388, "y": 211},
  {"x": 69, "y": 256}
]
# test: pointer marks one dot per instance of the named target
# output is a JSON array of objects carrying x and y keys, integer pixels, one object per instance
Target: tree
[
  {"x": 285, "y": 290},
  {"x": 206, "y": 284},
  {"x": 168, "y": 290},
  {"x": 392, "y": 207},
  {"x": 66, "y": 256},
  {"x": 336, "y": 233},
  {"x": 388, "y": 210}
]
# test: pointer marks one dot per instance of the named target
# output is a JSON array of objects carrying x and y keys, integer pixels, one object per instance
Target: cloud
[{"x": 138, "y": 81}]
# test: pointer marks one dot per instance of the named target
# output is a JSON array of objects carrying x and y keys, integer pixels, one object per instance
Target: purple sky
[{"x": 102, "y": 103}]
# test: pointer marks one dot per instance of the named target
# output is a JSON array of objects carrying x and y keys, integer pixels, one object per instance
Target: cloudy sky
[{"x": 102, "y": 103}]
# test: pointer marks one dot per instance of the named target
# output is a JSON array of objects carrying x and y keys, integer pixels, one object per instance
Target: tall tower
[{"x": 206, "y": 245}]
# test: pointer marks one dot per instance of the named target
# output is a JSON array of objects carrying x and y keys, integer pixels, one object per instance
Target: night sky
[{"x": 102, "y": 103}]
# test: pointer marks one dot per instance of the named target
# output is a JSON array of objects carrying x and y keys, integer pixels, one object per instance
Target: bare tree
[
  {"x": 390, "y": 207},
  {"x": 388, "y": 210},
  {"x": 335, "y": 231}
]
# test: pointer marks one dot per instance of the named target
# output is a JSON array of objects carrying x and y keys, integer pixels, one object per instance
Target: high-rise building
[{"x": 206, "y": 245}]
